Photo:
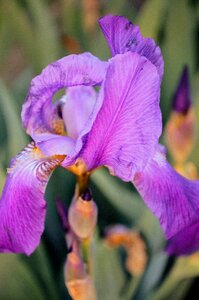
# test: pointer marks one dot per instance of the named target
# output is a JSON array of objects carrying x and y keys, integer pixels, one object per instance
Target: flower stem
[
  {"x": 87, "y": 255},
  {"x": 83, "y": 181},
  {"x": 132, "y": 287}
]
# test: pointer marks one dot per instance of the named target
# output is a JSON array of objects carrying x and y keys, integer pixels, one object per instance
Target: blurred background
[{"x": 34, "y": 33}]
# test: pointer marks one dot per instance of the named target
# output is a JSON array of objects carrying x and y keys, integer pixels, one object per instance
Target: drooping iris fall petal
[
  {"x": 123, "y": 36},
  {"x": 22, "y": 205},
  {"x": 174, "y": 201},
  {"x": 125, "y": 133}
]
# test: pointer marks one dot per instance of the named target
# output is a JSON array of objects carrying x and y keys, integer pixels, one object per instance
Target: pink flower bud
[
  {"x": 82, "y": 289},
  {"x": 78, "y": 282},
  {"x": 74, "y": 267},
  {"x": 83, "y": 216}
]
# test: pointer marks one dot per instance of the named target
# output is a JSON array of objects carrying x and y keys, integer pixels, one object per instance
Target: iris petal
[
  {"x": 38, "y": 114},
  {"x": 185, "y": 242},
  {"x": 22, "y": 205},
  {"x": 123, "y": 36},
  {"x": 125, "y": 133},
  {"x": 78, "y": 108},
  {"x": 173, "y": 199},
  {"x": 53, "y": 144}
]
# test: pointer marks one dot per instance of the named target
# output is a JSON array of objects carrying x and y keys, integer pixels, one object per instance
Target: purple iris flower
[{"x": 118, "y": 127}]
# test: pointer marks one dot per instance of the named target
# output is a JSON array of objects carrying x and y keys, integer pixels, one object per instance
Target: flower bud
[
  {"x": 182, "y": 100},
  {"x": 74, "y": 267},
  {"x": 81, "y": 289},
  {"x": 78, "y": 283},
  {"x": 83, "y": 215},
  {"x": 180, "y": 129}
]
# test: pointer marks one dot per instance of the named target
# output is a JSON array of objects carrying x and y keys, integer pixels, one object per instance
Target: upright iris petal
[
  {"x": 78, "y": 108},
  {"x": 82, "y": 69},
  {"x": 126, "y": 130},
  {"x": 123, "y": 36},
  {"x": 38, "y": 114}
]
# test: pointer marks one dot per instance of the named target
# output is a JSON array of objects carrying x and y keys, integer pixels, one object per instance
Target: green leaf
[
  {"x": 151, "y": 17},
  {"x": 179, "y": 44},
  {"x": 109, "y": 278},
  {"x": 114, "y": 6},
  {"x": 6, "y": 37},
  {"x": 131, "y": 206},
  {"x": 45, "y": 32},
  {"x": 16, "y": 137},
  {"x": 40, "y": 266},
  {"x": 2, "y": 178},
  {"x": 127, "y": 203},
  {"x": 180, "y": 290},
  {"x": 152, "y": 275},
  {"x": 184, "y": 268},
  {"x": 20, "y": 87},
  {"x": 103, "y": 51},
  {"x": 22, "y": 29},
  {"x": 120, "y": 7},
  {"x": 72, "y": 19},
  {"x": 17, "y": 281}
]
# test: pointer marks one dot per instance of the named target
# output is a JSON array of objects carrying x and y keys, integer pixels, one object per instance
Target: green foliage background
[{"x": 34, "y": 33}]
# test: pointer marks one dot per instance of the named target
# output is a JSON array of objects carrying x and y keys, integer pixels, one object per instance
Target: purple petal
[
  {"x": 185, "y": 242},
  {"x": 78, "y": 108},
  {"x": 182, "y": 100},
  {"x": 173, "y": 199},
  {"x": 53, "y": 144},
  {"x": 123, "y": 36},
  {"x": 125, "y": 133},
  {"x": 79, "y": 112},
  {"x": 39, "y": 114},
  {"x": 22, "y": 206}
]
